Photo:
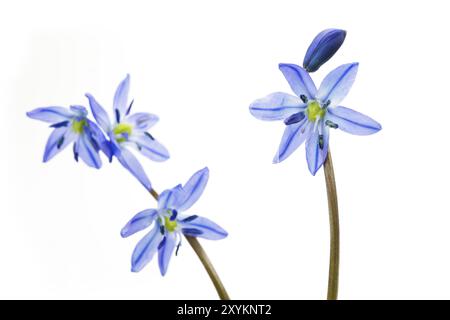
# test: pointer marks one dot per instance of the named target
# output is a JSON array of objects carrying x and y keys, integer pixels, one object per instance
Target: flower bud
[{"x": 322, "y": 48}]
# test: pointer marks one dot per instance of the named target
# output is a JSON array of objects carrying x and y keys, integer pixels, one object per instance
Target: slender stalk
[
  {"x": 333, "y": 274},
  {"x": 198, "y": 249}
]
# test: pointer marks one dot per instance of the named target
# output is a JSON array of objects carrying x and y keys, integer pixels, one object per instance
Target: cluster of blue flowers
[
  {"x": 310, "y": 114},
  {"x": 115, "y": 137}
]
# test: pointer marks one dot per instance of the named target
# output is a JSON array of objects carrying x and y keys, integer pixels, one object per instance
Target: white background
[{"x": 198, "y": 65}]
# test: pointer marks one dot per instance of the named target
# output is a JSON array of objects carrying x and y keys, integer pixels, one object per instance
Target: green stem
[
  {"x": 333, "y": 274},
  {"x": 198, "y": 249}
]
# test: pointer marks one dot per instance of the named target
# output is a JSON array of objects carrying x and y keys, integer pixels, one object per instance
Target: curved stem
[
  {"x": 198, "y": 249},
  {"x": 333, "y": 274}
]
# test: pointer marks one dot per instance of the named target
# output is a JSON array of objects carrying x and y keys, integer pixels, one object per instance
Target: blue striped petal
[
  {"x": 145, "y": 249},
  {"x": 294, "y": 135},
  {"x": 193, "y": 189},
  {"x": 142, "y": 120},
  {"x": 129, "y": 161},
  {"x": 276, "y": 106},
  {"x": 120, "y": 105},
  {"x": 317, "y": 149},
  {"x": 150, "y": 147},
  {"x": 59, "y": 139},
  {"x": 203, "y": 228},
  {"x": 165, "y": 252},
  {"x": 99, "y": 113},
  {"x": 167, "y": 199},
  {"x": 87, "y": 151},
  {"x": 352, "y": 121},
  {"x": 337, "y": 84},
  {"x": 139, "y": 222},
  {"x": 299, "y": 80},
  {"x": 51, "y": 114},
  {"x": 322, "y": 48}
]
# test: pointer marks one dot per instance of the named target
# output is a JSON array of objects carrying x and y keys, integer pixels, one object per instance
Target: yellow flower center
[
  {"x": 78, "y": 126},
  {"x": 314, "y": 111},
  {"x": 122, "y": 130},
  {"x": 170, "y": 225}
]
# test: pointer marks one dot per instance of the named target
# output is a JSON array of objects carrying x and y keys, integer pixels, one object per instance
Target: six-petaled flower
[
  {"x": 309, "y": 115},
  {"x": 169, "y": 223},
  {"x": 129, "y": 131}
]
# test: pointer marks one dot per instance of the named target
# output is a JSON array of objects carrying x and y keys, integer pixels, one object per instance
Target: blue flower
[
  {"x": 72, "y": 125},
  {"x": 322, "y": 48},
  {"x": 129, "y": 131},
  {"x": 169, "y": 223},
  {"x": 309, "y": 115}
]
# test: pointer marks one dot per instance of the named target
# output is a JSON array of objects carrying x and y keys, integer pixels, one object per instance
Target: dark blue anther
[
  {"x": 149, "y": 135},
  {"x": 304, "y": 98},
  {"x": 75, "y": 153},
  {"x": 191, "y": 232},
  {"x": 174, "y": 215},
  {"x": 117, "y": 115},
  {"x": 178, "y": 248},
  {"x": 162, "y": 243},
  {"x": 331, "y": 124},
  {"x": 321, "y": 141},
  {"x": 326, "y": 104},
  {"x": 60, "y": 124},
  {"x": 129, "y": 108},
  {"x": 60, "y": 142},
  {"x": 190, "y": 218},
  {"x": 161, "y": 229},
  {"x": 296, "y": 117}
]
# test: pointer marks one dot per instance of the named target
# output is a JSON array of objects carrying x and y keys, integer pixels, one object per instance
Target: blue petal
[
  {"x": 99, "y": 113},
  {"x": 294, "y": 135},
  {"x": 121, "y": 97},
  {"x": 87, "y": 151},
  {"x": 352, "y": 121},
  {"x": 165, "y": 252},
  {"x": 145, "y": 249},
  {"x": 276, "y": 106},
  {"x": 142, "y": 120},
  {"x": 129, "y": 161},
  {"x": 207, "y": 229},
  {"x": 322, "y": 48},
  {"x": 167, "y": 199},
  {"x": 317, "y": 149},
  {"x": 51, "y": 114},
  {"x": 59, "y": 139},
  {"x": 295, "y": 118},
  {"x": 150, "y": 147},
  {"x": 100, "y": 139},
  {"x": 337, "y": 84},
  {"x": 79, "y": 111},
  {"x": 299, "y": 80},
  {"x": 139, "y": 222},
  {"x": 193, "y": 189}
]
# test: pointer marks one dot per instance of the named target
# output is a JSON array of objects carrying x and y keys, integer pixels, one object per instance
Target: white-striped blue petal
[
  {"x": 276, "y": 106},
  {"x": 294, "y": 135},
  {"x": 337, "y": 84},
  {"x": 99, "y": 113},
  {"x": 120, "y": 105},
  {"x": 165, "y": 252},
  {"x": 139, "y": 222},
  {"x": 145, "y": 249},
  {"x": 51, "y": 114},
  {"x": 129, "y": 161},
  {"x": 193, "y": 189},
  {"x": 168, "y": 199},
  {"x": 299, "y": 80},
  {"x": 203, "y": 228},
  {"x": 352, "y": 121}
]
